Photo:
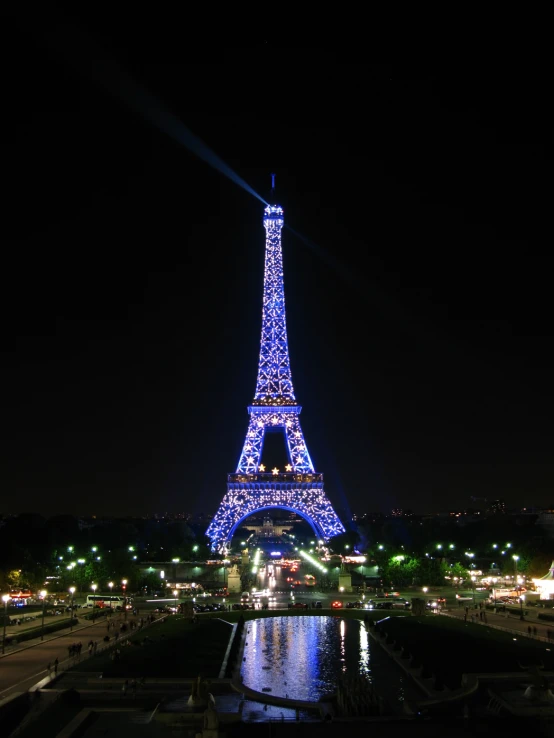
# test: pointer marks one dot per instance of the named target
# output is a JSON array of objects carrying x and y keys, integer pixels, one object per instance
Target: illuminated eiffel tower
[{"x": 298, "y": 488}]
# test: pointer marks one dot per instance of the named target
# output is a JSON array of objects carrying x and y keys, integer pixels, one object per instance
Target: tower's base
[{"x": 307, "y": 499}]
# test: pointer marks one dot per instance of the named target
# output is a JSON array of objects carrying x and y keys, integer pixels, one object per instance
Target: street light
[
  {"x": 43, "y": 595},
  {"x": 93, "y": 587},
  {"x": 124, "y": 585},
  {"x": 521, "y": 601},
  {"x": 72, "y": 591},
  {"x": 175, "y": 594},
  {"x": 110, "y": 585},
  {"x": 516, "y": 559},
  {"x": 494, "y": 581},
  {"x": 473, "y": 587},
  {"x": 6, "y": 599}
]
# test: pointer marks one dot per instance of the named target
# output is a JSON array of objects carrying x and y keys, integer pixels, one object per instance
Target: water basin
[{"x": 304, "y": 658}]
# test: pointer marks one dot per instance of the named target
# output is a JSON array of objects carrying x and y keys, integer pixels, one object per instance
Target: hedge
[
  {"x": 28, "y": 635},
  {"x": 546, "y": 616}
]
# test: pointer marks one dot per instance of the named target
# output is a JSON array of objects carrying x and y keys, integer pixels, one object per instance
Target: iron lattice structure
[{"x": 298, "y": 487}]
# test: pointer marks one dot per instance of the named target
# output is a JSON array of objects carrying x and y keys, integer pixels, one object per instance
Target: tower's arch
[{"x": 312, "y": 523}]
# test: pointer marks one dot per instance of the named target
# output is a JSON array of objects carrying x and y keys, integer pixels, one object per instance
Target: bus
[
  {"x": 309, "y": 580},
  {"x": 115, "y": 602},
  {"x": 388, "y": 603}
]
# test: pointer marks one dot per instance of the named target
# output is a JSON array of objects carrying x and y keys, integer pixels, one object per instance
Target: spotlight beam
[{"x": 79, "y": 49}]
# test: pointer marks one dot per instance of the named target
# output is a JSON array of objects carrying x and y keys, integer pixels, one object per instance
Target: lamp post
[
  {"x": 5, "y": 599},
  {"x": 521, "y": 601},
  {"x": 124, "y": 585},
  {"x": 494, "y": 580},
  {"x": 43, "y": 595},
  {"x": 516, "y": 559},
  {"x": 93, "y": 587},
  {"x": 110, "y": 585},
  {"x": 473, "y": 588},
  {"x": 175, "y": 593},
  {"x": 72, "y": 592}
]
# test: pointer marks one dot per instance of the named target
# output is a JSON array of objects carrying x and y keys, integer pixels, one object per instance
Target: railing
[{"x": 270, "y": 477}]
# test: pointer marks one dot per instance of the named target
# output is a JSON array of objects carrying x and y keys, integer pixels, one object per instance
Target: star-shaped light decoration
[
  {"x": 289, "y": 423},
  {"x": 274, "y": 420},
  {"x": 250, "y": 460},
  {"x": 275, "y": 470},
  {"x": 298, "y": 434},
  {"x": 261, "y": 467},
  {"x": 288, "y": 468}
]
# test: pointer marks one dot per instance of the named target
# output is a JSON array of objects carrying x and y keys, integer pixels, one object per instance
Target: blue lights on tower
[{"x": 298, "y": 487}]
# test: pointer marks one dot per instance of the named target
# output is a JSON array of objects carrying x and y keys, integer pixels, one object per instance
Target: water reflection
[
  {"x": 363, "y": 662},
  {"x": 304, "y": 657}
]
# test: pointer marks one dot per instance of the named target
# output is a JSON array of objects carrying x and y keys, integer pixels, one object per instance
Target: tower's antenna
[{"x": 272, "y": 186}]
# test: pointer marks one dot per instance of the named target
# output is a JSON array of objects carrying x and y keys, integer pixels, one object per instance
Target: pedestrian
[
  {"x": 49, "y": 667},
  {"x": 124, "y": 687},
  {"x": 529, "y": 629},
  {"x": 95, "y": 647},
  {"x": 56, "y": 662},
  {"x": 534, "y": 630}
]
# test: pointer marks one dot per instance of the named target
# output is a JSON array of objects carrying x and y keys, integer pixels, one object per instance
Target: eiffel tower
[{"x": 298, "y": 488}]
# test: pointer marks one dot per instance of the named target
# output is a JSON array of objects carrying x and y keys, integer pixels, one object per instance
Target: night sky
[{"x": 419, "y": 302}]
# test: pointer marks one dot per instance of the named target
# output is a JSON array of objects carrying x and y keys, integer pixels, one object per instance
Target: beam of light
[{"x": 79, "y": 49}]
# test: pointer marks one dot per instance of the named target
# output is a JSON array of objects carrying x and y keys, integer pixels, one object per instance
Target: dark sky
[{"x": 419, "y": 313}]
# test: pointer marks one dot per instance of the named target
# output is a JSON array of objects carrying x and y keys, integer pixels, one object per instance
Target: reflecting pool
[{"x": 303, "y": 658}]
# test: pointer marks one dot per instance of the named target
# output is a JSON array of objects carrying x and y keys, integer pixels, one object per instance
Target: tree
[{"x": 344, "y": 542}]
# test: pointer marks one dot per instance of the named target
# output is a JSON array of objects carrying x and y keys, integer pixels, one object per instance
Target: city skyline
[{"x": 418, "y": 306}]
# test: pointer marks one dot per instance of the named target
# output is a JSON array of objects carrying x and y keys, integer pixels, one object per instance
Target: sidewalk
[
  {"x": 509, "y": 622},
  {"x": 23, "y": 667}
]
